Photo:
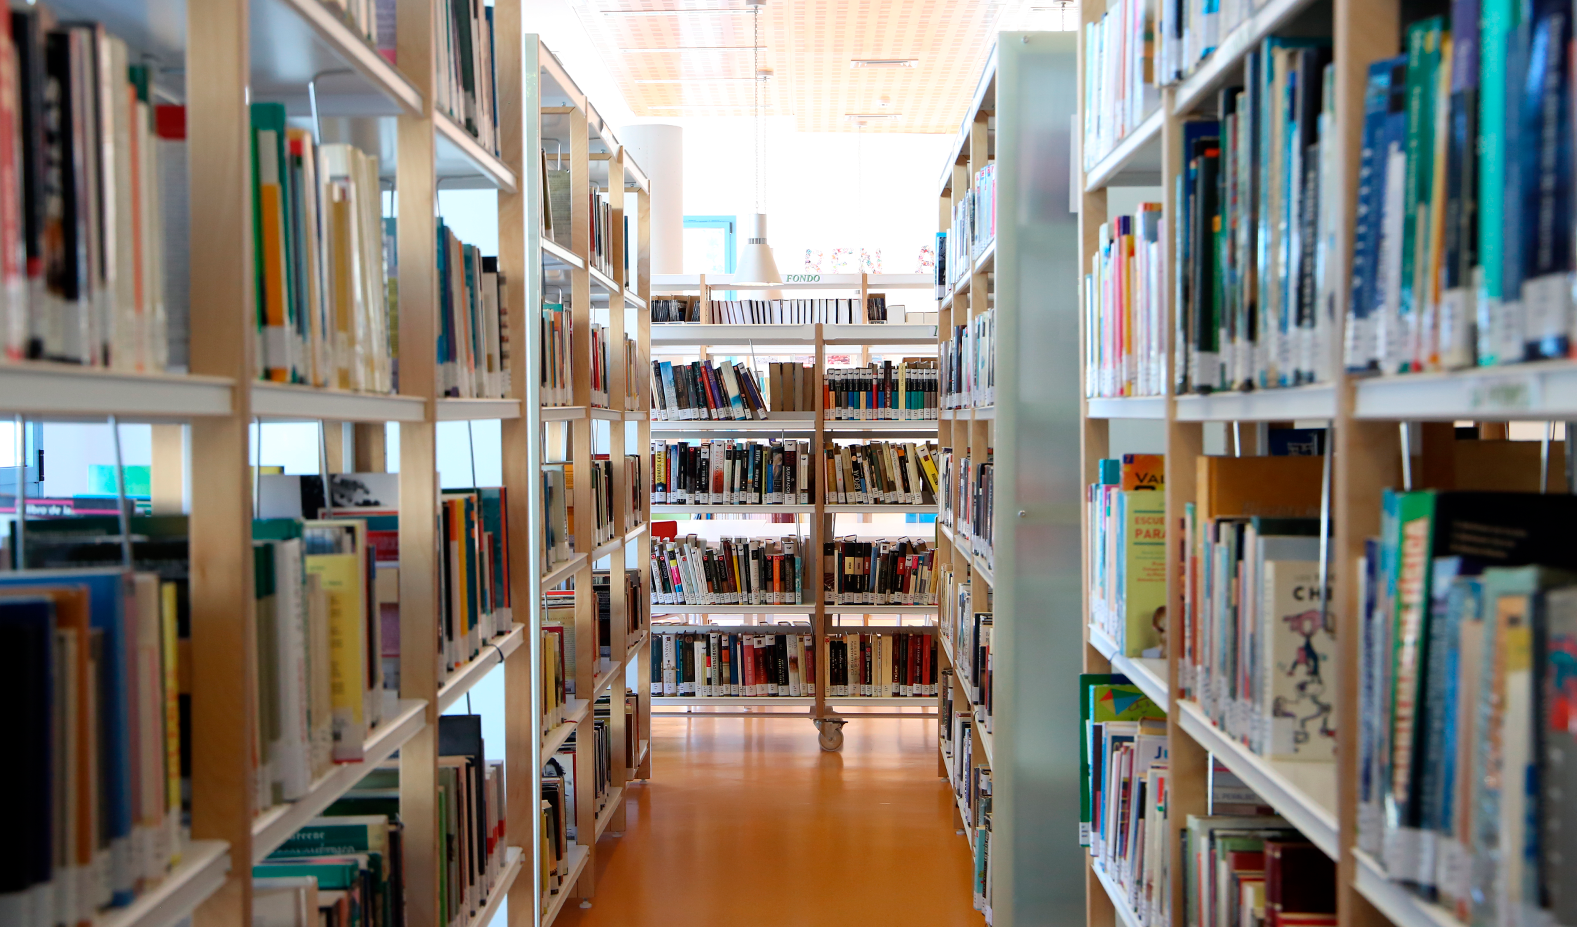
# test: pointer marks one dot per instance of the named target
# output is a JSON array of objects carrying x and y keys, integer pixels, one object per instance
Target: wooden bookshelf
[
  {"x": 1030, "y": 568},
  {"x": 276, "y": 50},
  {"x": 1362, "y": 416},
  {"x": 558, "y": 115},
  {"x": 812, "y": 522}
]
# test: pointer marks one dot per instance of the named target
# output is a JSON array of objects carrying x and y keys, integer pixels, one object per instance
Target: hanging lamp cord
[{"x": 755, "y": 57}]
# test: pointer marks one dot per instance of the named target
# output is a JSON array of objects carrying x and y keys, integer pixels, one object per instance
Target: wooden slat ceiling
[{"x": 704, "y": 64}]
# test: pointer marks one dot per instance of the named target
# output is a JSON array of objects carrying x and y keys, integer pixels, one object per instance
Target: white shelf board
[
  {"x": 1148, "y": 673},
  {"x": 70, "y": 391},
  {"x": 1262, "y": 405},
  {"x": 606, "y": 671},
  {"x": 553, "y": 904},
  {"x": 963, "y": 818},
  {"x": 561, "y": 413},
  {"x": 468, "y": 674},
  {"x": 1400, "y": 906},
  {"x": 555, "y": 252},
  {"x": 1145, "y": 407},
  {"x": 672, "y": 629},
  {"x": 459, "y": 155},
  {"x": 986, "y": 258},
  {"x": 1535, "y": 391},
  {"x": 630, "y": 299},
  {"x": 641, "y": 750},
  {"x": 848, "y": 429},
  {"x": 513, "y": 860},
  {"x": 789, "y": 610},
  {"x": 789, "y": 701},
  {"x": 1225, "y": 63},
  {"x": 978, "y": 413},
  {"x": 1134, "y": 161},
  {"x": 668, "y": 509},
  {"x": 606, "y": 415},
  {"x": 604, "y": 281},
  {"x": 879, "y": 334},
  {"x": 607, "y": 548},
  {"x": 693, "y": 334},
  {"x": 273, "y": 827},
  {"x": 204, "y": 865},
  {"x": 477, "y": 410},
  {"x": 562, "y": 571},
  {"x": 1126, "y": 915},
  {"x": 634, "y": 415},
  {"x": 796, "y": 422},
  {"x": 879, "y": 509},
  {"x": 290, "y": 402},
  {"x": 606, "y": 814},
  {"x": 574, "y": 712},
  {"x": 1302, "y": 792},
  {"x": 634, "y": 534},
  {"x": 633, "y": 651},
  {"x": 983, "y": 570}
]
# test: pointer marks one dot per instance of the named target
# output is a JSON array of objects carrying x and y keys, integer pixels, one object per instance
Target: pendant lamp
[{"x": 755, "y": 261}]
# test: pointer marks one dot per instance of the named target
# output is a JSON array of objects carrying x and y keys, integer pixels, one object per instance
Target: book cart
[
  {"x": 1027, "y": 574},
  {"x": 812, "y": 523},
  {"x": 305, "y": 54},
  {"x": 1380, "y": 432},
  {"x": 564, "y": 123}
]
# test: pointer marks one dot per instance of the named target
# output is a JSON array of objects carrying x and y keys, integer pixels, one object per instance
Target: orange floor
[{"x": 747, "y": 823}]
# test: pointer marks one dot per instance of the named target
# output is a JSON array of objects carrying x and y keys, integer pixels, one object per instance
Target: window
[{"x": 709, "y": 246}]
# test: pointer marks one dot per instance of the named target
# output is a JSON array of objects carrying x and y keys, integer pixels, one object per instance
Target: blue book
[
  {"x": 446, "y": 334},
  {"x": 108, "y": 591},
  {"x": 1384, "y": 125},
  {"x": 27, "y": 639},
  {"x": 1544, "y": 181}
]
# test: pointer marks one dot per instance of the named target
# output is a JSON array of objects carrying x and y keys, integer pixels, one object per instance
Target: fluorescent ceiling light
[
  {"x": 884, "y": 62},
  {"x": 872, "y": 115},
  {"x": 690, "y": 80},
  {"x": 685, "y": 48}
]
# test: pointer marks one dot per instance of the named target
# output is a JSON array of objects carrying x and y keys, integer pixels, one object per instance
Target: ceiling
[{"x": 685, "y": 58}]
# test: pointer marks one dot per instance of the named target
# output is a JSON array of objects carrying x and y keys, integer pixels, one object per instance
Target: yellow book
[
  {"x": 340, "y": 577},
  {"x": 168, "y": 608}
]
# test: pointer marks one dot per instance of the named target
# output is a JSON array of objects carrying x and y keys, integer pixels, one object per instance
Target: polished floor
[{"x": 747, "y": 823}]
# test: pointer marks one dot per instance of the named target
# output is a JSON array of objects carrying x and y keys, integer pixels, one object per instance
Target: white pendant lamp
[{"x": 755, "y": 262}]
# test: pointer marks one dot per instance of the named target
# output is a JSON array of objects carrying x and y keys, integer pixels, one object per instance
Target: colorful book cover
[
  {"x": 1143, "y": 472},
  {"x": 1301, "y": 660}
]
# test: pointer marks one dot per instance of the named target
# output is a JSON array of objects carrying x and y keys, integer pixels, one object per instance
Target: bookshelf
[
  {"x": 813, "y": 522},
  {"x": 559, "y": 118},
  {"x": 1381, "y": 431},
  {"x": 216, "y": 58},
  {"x": 1014, "y": 275}
]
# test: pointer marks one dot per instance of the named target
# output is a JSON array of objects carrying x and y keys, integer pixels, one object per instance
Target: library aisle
[{"x": 749, "y": 814}]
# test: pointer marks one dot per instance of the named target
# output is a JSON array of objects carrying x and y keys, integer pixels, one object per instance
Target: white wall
[{"x": 823, "y": 190}]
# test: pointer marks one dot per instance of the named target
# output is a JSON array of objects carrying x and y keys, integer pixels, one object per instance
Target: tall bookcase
[
  {"x": 1376, "y": 429},
  {"x": 816, "y": 522},
  {"x": 305, "y": 54},
  {"x": 557, "y": 118},
  {"x": 1022, "y": 274}
]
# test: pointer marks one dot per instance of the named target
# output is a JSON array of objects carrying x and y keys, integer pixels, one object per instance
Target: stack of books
[
  {"x": 896, "y": 392},
  {"x": 699, "y": 391},
  {"x": 1120, "y": 87},
  {"x": 1127, "y": 553},
  {"x": 1125, "y": 322},
  {"x": 883, "y": 572},
  {"x": 968, "y": 361},
  {"x": 734, "y": 571},
  {"x": 744, "y": 663},
  {"x": 881, "y": 663},
  {"x": 466, "y": 88},
  {"x": 732, "y": 473},
  {"x": 473, "y": 334},
  {"x": 881, "y": 473},
  {"x": 557, "y": 385}
]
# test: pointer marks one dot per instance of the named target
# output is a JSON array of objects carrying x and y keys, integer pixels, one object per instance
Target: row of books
[
  {"x": 84, "y": 277},
  {"x": 732, "y": 472},
  {"x": 372, "y": 20},
  {"x": 600, "y": 246},
  {"x": 1255, "y": 281},
  {"x": 1466, "y": 687},
  {"x": 1124, "y": 308},
  {"x": 1463, "y": 250},
  {"x": 558, "y": 544},
  {"x": 1120, "y": 87},
  {"x": 966, "y": 499},
  {"x": 734, "y": 571},
  {"x": 700, "y": 391},
  {"x": 634, "y": 367},
  {"x": 324, "y": 316},
  {"x": 1258, "y": 649},
  {"x": 791, "y": 386},
  {"x": 885, "y": 391},
  {"x": 881, "y": 572},
  {"x": 92, "y": 670},
  {"x": 473, "y": 334},
  {"x": 601, "y": 373},
  {"x": 733, "y": 664},
  {"x": 969, "y": 364},
  {"x": 882, "y": 664},
  {"x": 1255, "y": 870},
  {"x": 1128, "y": 552},
  {"x": 637, "y": 605},
  {"x": 466, "y": 87},
  {"x": 604, "y": 528},
  {"x": 971, "y": 784},
  {"x": 970, "y": 633},
  {"x": 1188, "y": 31},
  {"x": 1123, "y": 793},
  {"x": 680, "y": 308},
  {"x": 974, "y": 225},
  {"x": 557, "y": 653},
  {"x": 632, "y": 503},
  {"x": 595, "y": 743},
  {"x": 556, "y": 386},
  {"x": 881, "y": 473}
]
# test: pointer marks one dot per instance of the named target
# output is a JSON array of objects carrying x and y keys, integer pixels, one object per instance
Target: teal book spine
[
  {"x": 1423, "y": 63},
  {"x": 1497, "y": 24}
]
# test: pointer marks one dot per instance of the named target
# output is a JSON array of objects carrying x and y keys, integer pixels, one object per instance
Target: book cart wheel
[{"x": 831, "y": 735}]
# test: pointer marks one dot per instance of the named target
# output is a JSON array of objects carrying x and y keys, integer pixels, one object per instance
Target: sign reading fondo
[{"x": 803, "y": 278}]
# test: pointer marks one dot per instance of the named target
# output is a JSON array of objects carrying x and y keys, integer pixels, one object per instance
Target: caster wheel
[{"x": 831, "y": 736}]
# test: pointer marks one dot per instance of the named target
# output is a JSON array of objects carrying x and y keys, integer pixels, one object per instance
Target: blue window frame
[{"x": 711, "y": 247}]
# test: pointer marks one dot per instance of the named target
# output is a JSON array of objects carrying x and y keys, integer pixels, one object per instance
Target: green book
[
  {"x": 1423, "y": 66},
  {"x": 1498, "y": 21}
]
